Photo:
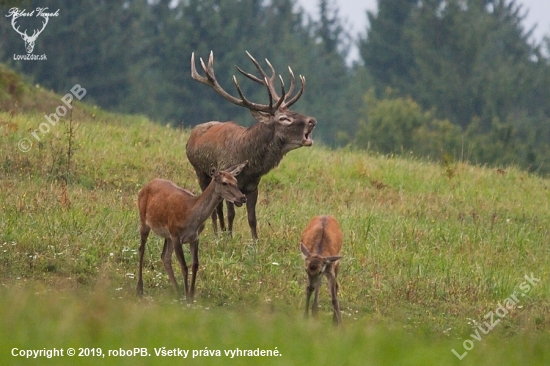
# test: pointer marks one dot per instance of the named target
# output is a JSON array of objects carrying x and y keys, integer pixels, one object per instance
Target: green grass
[{"x": 427, "y": 254}]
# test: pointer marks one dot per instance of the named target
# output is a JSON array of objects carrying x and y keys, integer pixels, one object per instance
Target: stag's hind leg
[{"x": 251, "y": 199}]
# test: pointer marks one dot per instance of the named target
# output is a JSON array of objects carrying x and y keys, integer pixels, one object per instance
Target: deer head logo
[{"x": 29, "y": 40}]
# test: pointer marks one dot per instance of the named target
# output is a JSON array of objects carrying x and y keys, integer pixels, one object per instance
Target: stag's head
[
  {"x": 29, "y": 40},
  {"x": 291, "y": 128}
]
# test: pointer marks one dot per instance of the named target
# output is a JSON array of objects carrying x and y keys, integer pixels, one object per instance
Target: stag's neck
[{"x": 262, "y": 147}]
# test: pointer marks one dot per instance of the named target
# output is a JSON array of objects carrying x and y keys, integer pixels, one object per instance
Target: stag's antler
[
  {"x": 29, "y": 40},
  {"x": 269, "y": 82}
]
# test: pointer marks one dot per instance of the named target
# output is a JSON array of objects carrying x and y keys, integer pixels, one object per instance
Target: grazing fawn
[
  {"x": 178, "y": 216},
  {"x": 320, "y": 245}
]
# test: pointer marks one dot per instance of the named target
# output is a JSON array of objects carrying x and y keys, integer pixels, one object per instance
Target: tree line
[{"x": 435, "y": 77}]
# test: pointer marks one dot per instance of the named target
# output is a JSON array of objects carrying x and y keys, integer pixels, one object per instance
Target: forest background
[{"x": 442, "y": 79}]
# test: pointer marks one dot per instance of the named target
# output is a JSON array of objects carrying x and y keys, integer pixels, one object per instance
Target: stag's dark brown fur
[{"x": 264, "y": 144}]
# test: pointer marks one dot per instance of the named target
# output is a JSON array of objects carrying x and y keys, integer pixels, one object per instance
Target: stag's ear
[
  {"x": 305, "y": 252},
  {"x": 261, "y": 117},
  {"x": 236, "y": 169},
  {"x": 213, "y": 171}
]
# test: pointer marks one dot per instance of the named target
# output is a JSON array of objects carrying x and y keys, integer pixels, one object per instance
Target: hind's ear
[
  {"x": 213, "y": 171},
  {"x": 332, "y": 259},
  {"x": 236, "y": 169},
  {"x": 305, "y": 252}
]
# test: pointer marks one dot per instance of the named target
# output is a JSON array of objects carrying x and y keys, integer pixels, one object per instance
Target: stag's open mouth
[
  {"x": 306, "y": 140},
  {"x": 237, "y": 203}
]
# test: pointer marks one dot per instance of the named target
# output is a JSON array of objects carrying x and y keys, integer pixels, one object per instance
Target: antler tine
[
  {"x": 268, "y": 82},
  {"x": 252, "y": 105},
  {"x": 194, "y": 74},
  {"x": 250, "y": 76},
  {"x": 292, "y": 82},
  {"x": 210, "y": 63},
  {"x": 270, "y": 98},
  {"x": 283, "y": 93},
  {"x": 270, "y": 79},
  {"x": 208, "y": 71},
  {"x": 298, "y": 95},
  {"x": 262, "y": 72},
  {"x": 211, "y": 81}
]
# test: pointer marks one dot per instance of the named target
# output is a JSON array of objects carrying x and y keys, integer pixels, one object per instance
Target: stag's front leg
[
  {"x": 218, "y": 213},
  {"x": 194, "y": 247},
  {"x": 251, "y": 199},
  {"x": 230, "y": 216}
]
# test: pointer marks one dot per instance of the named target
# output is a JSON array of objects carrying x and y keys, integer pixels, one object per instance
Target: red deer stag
[
  {"x": 320, "y": 245},
  {"x": 264, "y": 144},
  {"x": 178, "y": 216}
]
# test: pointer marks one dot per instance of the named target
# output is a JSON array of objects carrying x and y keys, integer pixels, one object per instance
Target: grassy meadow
[{"x": 429, "y": 251}]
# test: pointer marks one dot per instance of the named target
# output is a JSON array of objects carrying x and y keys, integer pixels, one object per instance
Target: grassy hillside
[{"x": 430, "y": 250}]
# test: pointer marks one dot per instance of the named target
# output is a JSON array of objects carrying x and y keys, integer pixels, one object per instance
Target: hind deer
[
  {"x": 178, "y": 216},
  {"x": 320, "y": 246},
  {"x": 264, "y": 144}
]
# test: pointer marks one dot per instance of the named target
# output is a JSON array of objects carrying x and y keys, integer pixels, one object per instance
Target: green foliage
[
  {"x": 399, "y": 125},
  {"x": 385, "y": 48},
  {"x": 469, "y": 63}
]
